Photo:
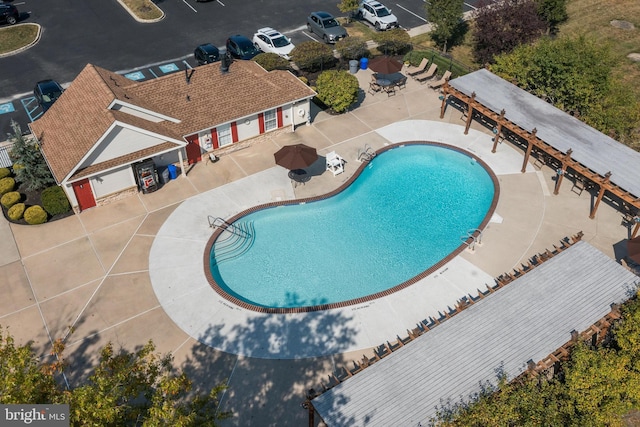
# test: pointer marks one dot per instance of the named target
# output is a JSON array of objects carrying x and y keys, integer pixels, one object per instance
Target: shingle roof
[
  {"x": 81, "y": 116},
  {"x": 212, "y": 97},
  {"x": 526, "y": 320}
]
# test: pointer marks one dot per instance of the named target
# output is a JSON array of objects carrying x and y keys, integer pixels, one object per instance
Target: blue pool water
[{"x": 406, "y": 211}]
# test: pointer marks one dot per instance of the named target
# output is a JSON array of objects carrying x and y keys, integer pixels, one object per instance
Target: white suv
[{"x": 377, "y": 14}]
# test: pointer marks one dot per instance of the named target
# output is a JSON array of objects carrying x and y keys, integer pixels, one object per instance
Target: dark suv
[
  {"x": 206, "y": 54},
  {"x": 8, "y": 14},
  {"x": 241, "y": 47}
]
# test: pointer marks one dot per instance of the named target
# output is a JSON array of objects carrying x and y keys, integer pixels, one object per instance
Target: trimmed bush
[
  {"x": 4, "y": 172},
  {"x": 54, "y": 201},
  {"x": 271, "y": 61},
  {"x": 15, "y": 212},
  {"x": 337, "y": 89},
  {"x": 7, "y": 184},
  {"x": 9, "y": 199},
  {"x": 352, "y": 48},
  {"x": 304, "y": 80},
  {"x": 393, "y": 42},
  {"x": 35, "y": 215},
  {"x": 313, "y": 56}
]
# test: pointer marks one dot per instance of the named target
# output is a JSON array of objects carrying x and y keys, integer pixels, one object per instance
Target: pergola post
[
  {"x": 635, "y": 228},
  {"x": 497, "y": 131},
  {"x": 470, "y": 105},
  {"x": 445, "y": 92},
  {"x": 563, "y": 169},
  {"x": 531, "y": 141},
  {"x": 604, "y": 181}
]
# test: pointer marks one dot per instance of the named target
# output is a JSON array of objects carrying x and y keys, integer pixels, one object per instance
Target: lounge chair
[
  {"x": 423, "y": 77},
  {"x": 443, "y": 80},
  {"x": 412, "y": 71}
]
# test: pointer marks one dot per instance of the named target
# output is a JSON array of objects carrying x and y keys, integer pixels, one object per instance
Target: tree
[
  {"x": 352, "y": 48},
  {"x": 312, "y": 56},
  {"x": 574, "y": 74},
  {"x": 337, "y": 89},
  {"x": 393, "y": 41},
  {"x": 139, "y": 388},
  {"x": 29, "y": 165},
  {"x": 553, "y": 12},
  {"x": 446, "y": 16},
  {"x": 502, "y": 26},
  {"x": 349, "y": 7}
]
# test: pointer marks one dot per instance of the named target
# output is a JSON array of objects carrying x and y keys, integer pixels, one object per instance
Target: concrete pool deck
[{"x": 87, "y": 277}]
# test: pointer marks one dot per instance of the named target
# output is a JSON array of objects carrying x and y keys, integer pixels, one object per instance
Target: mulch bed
[{"x": 32, "y": 198}]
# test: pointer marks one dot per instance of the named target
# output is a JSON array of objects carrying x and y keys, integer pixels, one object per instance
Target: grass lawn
[
  {"x": 143, "y": 9},
  {"x": 16, "y": 37}
]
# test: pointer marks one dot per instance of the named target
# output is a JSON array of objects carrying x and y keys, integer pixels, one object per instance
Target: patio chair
[
  {"x": 335, "y": 163},
  {"x": 390, "y": 89},
  {"x": 374, "y": 87},
  {"x": 412, "y": 71},
  {"x": 443, "y": 80},
  {"x": 401, "y": 82},
  {"x": 423, "y": 77}
]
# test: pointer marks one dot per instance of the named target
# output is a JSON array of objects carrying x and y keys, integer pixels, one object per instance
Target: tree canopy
[
  {"x": 502, "y": 26},
  {"x": 574, "y": 74},
  {"x": 29, "y": 165},
  {"x": 138, "y": 388},
  {"x": 337, "y": 89},
  {"x": 446, "y": 16}
]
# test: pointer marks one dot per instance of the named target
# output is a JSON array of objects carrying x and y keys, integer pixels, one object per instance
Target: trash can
[
  {"x": 173, "y": 171},
  {"x": 364, "y": 63},
  {"x": 164, "y": 175},
  {"x": 353, "y": 66}
]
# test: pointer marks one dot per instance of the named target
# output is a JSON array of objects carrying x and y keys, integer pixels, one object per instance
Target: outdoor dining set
[{"x": 387, "y": 76}]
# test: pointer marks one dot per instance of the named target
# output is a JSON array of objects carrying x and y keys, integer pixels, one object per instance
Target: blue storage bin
[
  {"x": 364, "y": 63},
  {"x": 173, "y": 171}
]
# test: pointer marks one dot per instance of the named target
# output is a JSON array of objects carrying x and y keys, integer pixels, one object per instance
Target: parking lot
[{"x": 104, "y": 34}]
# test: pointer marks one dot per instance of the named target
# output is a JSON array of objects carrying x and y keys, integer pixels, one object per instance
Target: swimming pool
[{"x": 400, "y": 217}]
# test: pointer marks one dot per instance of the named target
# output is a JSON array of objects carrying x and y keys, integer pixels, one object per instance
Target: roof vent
[
  {"x": 225, "y": 63},
  {"x": 188, "y": 73}
]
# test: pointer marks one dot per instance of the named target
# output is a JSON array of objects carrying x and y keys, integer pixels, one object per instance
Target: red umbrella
[
  {"x": 297, "y": 156},
  {"x": 633, "y": 249},
  {"x": 385, "y": 65}
]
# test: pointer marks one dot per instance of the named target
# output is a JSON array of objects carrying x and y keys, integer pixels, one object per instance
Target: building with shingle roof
[{"x": 105, "y": 126}]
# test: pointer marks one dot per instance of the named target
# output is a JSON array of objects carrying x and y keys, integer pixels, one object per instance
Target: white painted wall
[
  {"x": 120, "y": 142},
  {"x": 113, "y": 181},
  {"x": 250, "y": 129},
  {"x": 68, "y": 189}
]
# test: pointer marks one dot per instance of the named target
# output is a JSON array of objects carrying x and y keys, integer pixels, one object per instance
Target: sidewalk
[{"x": 89, "y": 273}]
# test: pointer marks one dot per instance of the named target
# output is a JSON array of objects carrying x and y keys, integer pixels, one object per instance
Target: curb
[
  {"x": 23, "y": 48},
  {"x": 143, "y": 21}
]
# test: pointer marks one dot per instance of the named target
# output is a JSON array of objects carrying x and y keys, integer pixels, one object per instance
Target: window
[
  {"x": 224, "y": 135},
  {"x": 270, "y": 120}
]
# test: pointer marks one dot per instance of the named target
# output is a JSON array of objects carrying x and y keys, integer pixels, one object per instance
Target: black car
[
  {"x": 241, "y": 47},
  {"x": 8, "y": 14},
  {"x": 47, "y": 92},
  {"x": 206, "y": 54}
]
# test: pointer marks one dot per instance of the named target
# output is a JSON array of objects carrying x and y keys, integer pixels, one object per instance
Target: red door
[
  {"x": 84, "y": 194},
  {"x": 194, "y": 153}
]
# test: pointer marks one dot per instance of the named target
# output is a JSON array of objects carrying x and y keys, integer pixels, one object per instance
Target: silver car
[{"x": 326, "y": 26}]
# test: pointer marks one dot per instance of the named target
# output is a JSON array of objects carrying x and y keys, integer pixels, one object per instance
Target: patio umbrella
[
  {"x": 633, "y": 249},
  {"x": 385, "y": 65},
  {"x": 297, "y": 156}
]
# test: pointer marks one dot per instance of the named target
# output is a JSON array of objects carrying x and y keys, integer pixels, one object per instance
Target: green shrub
[
  {"x": 337, "y": 89},
  {"x": 54, "y": 201},
  {"x": 15, "y": 212},
  {"x": 5, "y": 172},
  {"x": 9, "y": 199},
  {"x": 35, "y": 215},
  {"x": 304, "y": 80},
  {"x": 7, "y": 184},
  {"x": 393, "y": 42},
  {"x": 415, "y": 57},
  {"x": 271, "y": 61},
  {"x": 352, "y": 48},
  {"x": 313, "y": 56}
]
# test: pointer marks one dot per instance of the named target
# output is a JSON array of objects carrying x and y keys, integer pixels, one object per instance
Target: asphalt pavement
[{"x": 103, "y": 33}]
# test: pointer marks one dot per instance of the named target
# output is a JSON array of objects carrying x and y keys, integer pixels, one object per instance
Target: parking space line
[
  {"x": 155, "y": 76},
  {"x": 471, "y": 6},
  {"x": 408, "y": 11},
  {"x": 220, "y": 2},
  {"x": 310, "y": 36},
  {"x": 27, "y": 105},
  {"x": 191, "y": 7},
  {"x": 187, "y": 64}
]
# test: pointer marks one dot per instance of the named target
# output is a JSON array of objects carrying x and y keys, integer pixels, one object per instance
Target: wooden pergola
[{"x": 505, "y": 128}]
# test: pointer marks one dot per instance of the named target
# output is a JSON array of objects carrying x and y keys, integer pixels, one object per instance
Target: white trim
[{"x": 142, "y": 110}]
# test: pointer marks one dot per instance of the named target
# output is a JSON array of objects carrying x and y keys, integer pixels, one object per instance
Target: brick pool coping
[{"x": 306, "y": 309}]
